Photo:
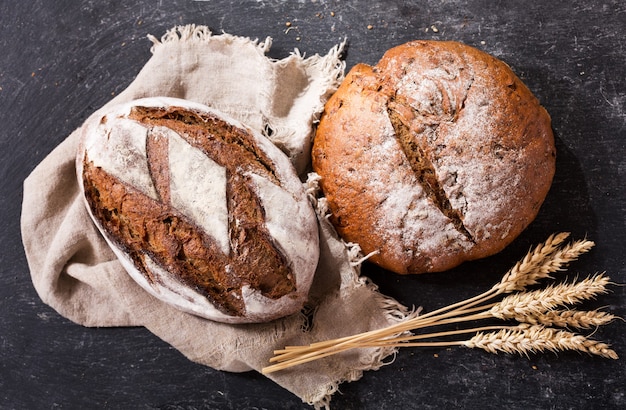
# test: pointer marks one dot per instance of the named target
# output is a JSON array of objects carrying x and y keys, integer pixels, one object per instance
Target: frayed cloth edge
[
  {"x": 395, "y": 313},
  {"x": 393, "y": 310},
  {"x": 203, "y": 34}
]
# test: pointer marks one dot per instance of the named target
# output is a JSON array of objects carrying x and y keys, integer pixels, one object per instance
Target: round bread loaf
[
  {"x": 437, "y": 155},
  {"x": 204, "y": 213}
]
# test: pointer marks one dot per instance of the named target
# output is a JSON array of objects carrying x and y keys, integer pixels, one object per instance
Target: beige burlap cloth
[{"x": 75, "y": 272}]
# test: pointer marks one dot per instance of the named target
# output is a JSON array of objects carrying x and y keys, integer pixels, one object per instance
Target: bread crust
[
  {"x": 436, "y": 155},
  {"x": 204, "y": 213}
]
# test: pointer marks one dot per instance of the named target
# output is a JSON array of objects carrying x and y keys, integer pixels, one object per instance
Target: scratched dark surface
[{"x": 63, "y": 59}]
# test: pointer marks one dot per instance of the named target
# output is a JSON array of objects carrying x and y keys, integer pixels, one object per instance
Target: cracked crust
[{"x": 437, "y": 155}]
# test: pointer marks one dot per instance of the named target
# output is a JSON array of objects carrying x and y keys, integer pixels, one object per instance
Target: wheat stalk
[{"x": 533, "y": 309}]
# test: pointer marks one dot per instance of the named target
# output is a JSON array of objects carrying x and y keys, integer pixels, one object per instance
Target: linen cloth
[{"x": 75, "y": 272}]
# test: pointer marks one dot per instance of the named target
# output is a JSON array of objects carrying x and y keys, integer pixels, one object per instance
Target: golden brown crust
[{"x": 436, "y": 155}]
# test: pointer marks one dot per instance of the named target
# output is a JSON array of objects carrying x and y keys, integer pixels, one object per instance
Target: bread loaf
[
  {"x": 203, "y": 213},
  {"x": 437, "y": 155}
]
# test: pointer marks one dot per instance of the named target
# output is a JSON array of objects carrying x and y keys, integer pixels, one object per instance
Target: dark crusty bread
[
  {"x": 204, "y": 213},
  {"x": 437, "y": 155}
]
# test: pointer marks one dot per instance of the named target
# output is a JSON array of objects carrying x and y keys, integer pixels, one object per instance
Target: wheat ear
[
  {"x": 575, "y": 319},
  {"x": 517, "y": 278},
  {"x": 543, "y": 261},
  {"x": 518, "y": 306},
  {"x": 537, "y": 338}
]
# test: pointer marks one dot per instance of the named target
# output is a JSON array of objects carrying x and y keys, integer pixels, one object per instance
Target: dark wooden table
[{"x": 61, "y": 60}]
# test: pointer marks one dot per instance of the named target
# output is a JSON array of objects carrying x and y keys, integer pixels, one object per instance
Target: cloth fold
[{"x": 75, "y": 272}]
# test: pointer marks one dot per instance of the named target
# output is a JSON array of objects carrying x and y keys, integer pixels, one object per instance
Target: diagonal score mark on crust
[
  {"x": 158, "y": 167},
  {"x": 424, "y": 169},
  {"x": 141, "y": 225},
  {"x": 222, "y": 134}
]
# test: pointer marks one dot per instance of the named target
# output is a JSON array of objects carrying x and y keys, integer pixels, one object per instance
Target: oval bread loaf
[
  {"x": 204, "y": 213},
  {"x": 437, "y": 155}
]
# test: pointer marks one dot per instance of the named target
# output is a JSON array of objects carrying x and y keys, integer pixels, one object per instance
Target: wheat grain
[
  {"x": 518, "y": 277},
  {"x": 537, "y": 338},
  {"x": 564, "y": 256},
  {"x": 570, "y": 341},
  {"x": 575, "y": 319},
  {"x": 509, "y": 341},
  {"x": 541, "y": 262},
  {"x": 519, "y": 305}
]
